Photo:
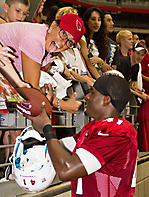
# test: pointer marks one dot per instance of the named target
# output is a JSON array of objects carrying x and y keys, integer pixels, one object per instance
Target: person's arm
[
  {"x": 38, "y": 17},
  {"x": 89, "y": 78},
  {"x": 140, "y": 94},
  {"x": 84, "y": 52},
  {"x": 70, "y": 105},
  {"x": 68, "y": 166},
  {"x": 135, "y": 91},
  {"x": 67, "y": 73},
  {"x": 145, "y": 78},
  {"x": 8, "y": 70},
  {"x": 85, "y": 64},
  {"x": 82, "y": 79},
  {"x": 10, "y": 74},
  {"x": 105, "y": 67},
  {"x": 94, "y": 60},
  {"x": 31, "y": 70}
]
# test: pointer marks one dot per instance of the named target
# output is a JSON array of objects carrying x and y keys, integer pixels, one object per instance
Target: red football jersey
[
  {"x": 145, "y": 71},
  {"x": 143, "y": 129},
  {"x": 113, "y": 142}
]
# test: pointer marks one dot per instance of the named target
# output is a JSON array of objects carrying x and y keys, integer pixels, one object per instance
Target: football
[{"x": 32, "y": 105}]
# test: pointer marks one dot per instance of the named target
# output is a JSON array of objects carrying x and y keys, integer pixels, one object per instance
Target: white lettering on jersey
[
  {"x": 133, "y": 183},
  {"x": 103, "y": 134},
  {"x": 111, "y": 184},
  {"x": 109, "y": 119},
  {"x": 119, "y": 122},
  {"x": 79, "y": 190}
]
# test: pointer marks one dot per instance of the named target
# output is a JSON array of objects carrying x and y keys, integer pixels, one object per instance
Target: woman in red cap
[{"x": 35, "y": 46}]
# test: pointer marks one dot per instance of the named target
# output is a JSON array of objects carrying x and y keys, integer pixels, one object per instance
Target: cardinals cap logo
[{"x": 78, "y": 25}]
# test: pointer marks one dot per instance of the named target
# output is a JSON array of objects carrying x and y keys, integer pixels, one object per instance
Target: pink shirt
[{"x": 26, "y": 37}]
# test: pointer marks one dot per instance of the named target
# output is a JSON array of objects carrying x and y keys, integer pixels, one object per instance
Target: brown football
[{"x": 34, "y": 99}]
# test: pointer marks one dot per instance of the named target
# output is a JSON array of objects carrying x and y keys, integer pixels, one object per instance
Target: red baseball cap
[{"x": 72, "y": 24}]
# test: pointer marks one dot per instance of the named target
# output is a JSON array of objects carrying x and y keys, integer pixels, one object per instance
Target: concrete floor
[{"x": 66, "y": 194}]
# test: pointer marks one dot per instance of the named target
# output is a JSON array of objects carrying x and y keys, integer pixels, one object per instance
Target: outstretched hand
[
  {"x": 40, "y": 121},
  {"x": 72, "y": 105}
]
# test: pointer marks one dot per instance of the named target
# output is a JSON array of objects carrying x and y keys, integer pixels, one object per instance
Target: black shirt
[{"x": 130, "y": 72}]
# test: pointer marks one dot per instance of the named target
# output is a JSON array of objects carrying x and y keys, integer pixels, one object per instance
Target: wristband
[
  {"x": 102, "y": 63},
  {"x": 49, "y": 132},
  {"x": 58, "y": 105}
]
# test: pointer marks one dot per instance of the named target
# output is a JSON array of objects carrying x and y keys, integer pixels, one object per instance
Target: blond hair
[
  {"x": 121, "y": 35},
  {"x": 65, "y": 10}
]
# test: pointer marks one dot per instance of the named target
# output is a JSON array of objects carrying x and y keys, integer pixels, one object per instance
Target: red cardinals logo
[
  {"x": 78, "y": 25},
  {"x": 26, "y": 105}
]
